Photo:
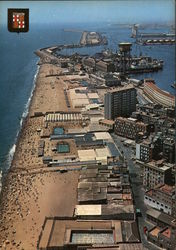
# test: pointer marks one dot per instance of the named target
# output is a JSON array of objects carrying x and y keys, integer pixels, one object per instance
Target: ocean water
[{"x": 18, "y": 70}]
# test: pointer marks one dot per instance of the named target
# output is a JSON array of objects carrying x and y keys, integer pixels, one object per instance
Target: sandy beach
[
  {"x": 30, "y": 193},
  {"x": 28, "y": 199}
]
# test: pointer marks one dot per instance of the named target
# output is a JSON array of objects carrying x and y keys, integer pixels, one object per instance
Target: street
[{"x": 138, "y": 191}]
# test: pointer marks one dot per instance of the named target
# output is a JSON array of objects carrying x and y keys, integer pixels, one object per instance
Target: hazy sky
[{"x": 131, "y": 11}]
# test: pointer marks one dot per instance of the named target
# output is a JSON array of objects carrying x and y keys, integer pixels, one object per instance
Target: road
[{"x": 138, "y": 192}]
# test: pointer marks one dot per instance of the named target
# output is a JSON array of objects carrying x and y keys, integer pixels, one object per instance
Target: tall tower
[{"x": 125, "y": 56}]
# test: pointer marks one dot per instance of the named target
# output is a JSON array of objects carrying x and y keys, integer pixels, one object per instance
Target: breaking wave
[{"x": 24, "y": 115}]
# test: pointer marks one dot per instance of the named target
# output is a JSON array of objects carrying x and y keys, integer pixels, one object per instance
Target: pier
[{"x": 152, "y": 38}]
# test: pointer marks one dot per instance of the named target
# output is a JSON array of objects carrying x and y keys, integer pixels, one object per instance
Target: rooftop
[
  {"x": 102, "y": 152},
  {"x": 162, "y": 217},
  {"x": 166, "y": 188},
  {"x": 92, "y": 95},
  {"x": 158, "y": 165},
  {"x": 109, "y": 122},
  {"x": 104, "y": 186},
  {"x": 130, "y": 120},
  {"x": 88, "y": 154},
  {"x": 155, "y": 88},
  {"x": 121, "y": 88},
  {"x": 103, "y": 136},
  {"x": 61, "y": 232},
  {"x": 155, "y": 231},
  {"x": 167, "y": 233},
  {"x": 87, "y": 210},
  {"x": 121, "y": 246}
]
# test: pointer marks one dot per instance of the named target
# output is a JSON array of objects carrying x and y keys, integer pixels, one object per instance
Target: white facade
[{"x": 157, "y": 204}]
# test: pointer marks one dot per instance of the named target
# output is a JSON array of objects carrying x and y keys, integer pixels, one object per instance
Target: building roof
[
  {"x": 131, "y": 121},
  {"x": 156, "y": 89},
  {"x": 60, "y": 233},
  {"x": 103, "y": 136},
  {"x": 81, "y": 210},
  {"x": 126, "y": 196},
  {"x": 80, "y": 101},
  {"x": 106, "y": 121},
  {"x": 166, "y": 189},
  {"x": 88, "y": 154},
  {"x": 117, "y": 209},
  {"x": 131, "y": 231},
  {"x": 164, "y": 218},
  {"x": 102, "y": 152},
  {"x": 57, "y": 232},
  {"x": 93, "y": 95},
  {"x": 121, "y": 88},
  {"x": 155, "y": 231},
  {"x": 93, "y": 196},
  {"x": 153, "y": 213},
  {"x": 121, "y": 246},
  {"x": 167, "y": 233},
  {"x": 158, "y": 165},
  {"x": 132, "y": 246}
]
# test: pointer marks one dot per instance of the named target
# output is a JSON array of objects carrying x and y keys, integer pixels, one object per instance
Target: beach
[{"x": 31, "y": 191}]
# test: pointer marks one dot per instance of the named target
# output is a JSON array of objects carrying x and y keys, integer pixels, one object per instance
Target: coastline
[
  {"x": 26, "y": 196},
  {"x": 24, "y": 115},
  {"x": 11, "y": 153},
  {"x": 23, "y": 121},
  {"x": 26, "y": 112}
]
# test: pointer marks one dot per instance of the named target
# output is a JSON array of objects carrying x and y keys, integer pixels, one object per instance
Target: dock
[{"x": 152, "y": 38}]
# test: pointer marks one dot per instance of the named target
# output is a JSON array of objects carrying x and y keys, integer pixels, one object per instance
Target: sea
[{"x": 18, "y": 69}]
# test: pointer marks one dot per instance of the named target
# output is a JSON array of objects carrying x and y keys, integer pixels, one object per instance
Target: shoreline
[
  {"x": 26, "y": 196},
  {"x": 23, "y": 120},
  {"x": 19, "y": 133},
  {"x": 24, "y": 116}
]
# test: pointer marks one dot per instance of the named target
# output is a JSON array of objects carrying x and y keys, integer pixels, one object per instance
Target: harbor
[
  {"x": 122, "y": 61},
  {"x": 97, "y": 130},
  {"x": 152, "y": 38}
]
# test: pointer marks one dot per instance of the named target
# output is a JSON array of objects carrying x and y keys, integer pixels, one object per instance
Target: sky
[{"x": 126, "y": 11}]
